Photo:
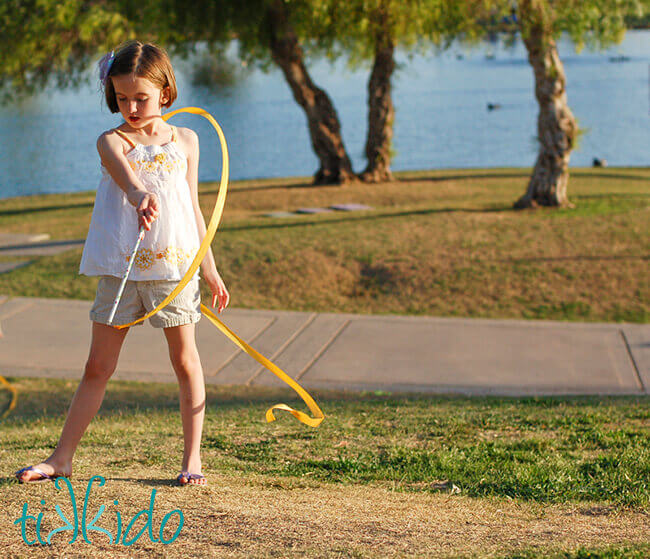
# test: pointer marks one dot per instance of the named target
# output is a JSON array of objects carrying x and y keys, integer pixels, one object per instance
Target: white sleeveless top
[{"x": 168, "y": 249}]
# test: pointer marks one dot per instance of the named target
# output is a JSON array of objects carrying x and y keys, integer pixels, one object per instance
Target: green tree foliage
[
  {"x": 371, "y": 31},
  {"x": 596, "y": 24},
  {"x": 353, "y": 28},
  {"x": 44, "y": 39}
]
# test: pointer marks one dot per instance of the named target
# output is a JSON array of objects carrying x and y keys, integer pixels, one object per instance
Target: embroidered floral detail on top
[
  {"x": 160, "y": 161},
  {"x": 145, "y": 257},
  {"x": 174, "y": 255}
]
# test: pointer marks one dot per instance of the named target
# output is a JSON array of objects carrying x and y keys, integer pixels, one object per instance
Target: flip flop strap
[
  {"x": 189, "y": 476},
  {"x": 37, "y": 470},
  {"x": 41, "y": 472}
]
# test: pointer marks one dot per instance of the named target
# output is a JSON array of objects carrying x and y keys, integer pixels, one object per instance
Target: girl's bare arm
[{"x": 111, "y": 152}]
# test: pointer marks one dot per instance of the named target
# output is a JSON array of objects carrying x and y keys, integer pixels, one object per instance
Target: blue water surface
[{"x": 48, "y": 141}]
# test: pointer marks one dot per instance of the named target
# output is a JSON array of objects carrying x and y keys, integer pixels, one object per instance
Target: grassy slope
[{"x": 443, "y": 243}]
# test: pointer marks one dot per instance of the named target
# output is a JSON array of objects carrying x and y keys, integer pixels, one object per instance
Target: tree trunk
[
  {"x": 381, "y": 112},
  {"x": 556, "y": 125},
  {"x": 324, "y": 126}
]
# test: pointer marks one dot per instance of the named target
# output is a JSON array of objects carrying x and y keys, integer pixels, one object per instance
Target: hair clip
[{"x": 105, "y": 65}]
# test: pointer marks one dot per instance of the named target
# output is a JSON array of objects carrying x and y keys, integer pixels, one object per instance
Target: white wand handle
[{"x": 126, "y": 275}]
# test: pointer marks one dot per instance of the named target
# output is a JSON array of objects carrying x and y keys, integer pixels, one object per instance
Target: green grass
[
  {"x": 641, "y": 551},
  {"x": 546, "y": 450},
  {"x": 443, "y": 243},
  {"x": 536, "y": 477}
]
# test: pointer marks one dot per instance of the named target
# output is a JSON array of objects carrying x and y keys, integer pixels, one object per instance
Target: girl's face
[{"x": 139, "y": 100}]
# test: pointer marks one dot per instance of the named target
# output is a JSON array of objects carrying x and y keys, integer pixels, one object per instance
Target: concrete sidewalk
[
  {"x": 51, "y": 338},
  {"x": 25, "y": 245}
]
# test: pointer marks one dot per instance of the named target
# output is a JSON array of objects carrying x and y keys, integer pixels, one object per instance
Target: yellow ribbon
[
  {"x": 200, "y": 254},
  {"x": 14, "y": 397}
]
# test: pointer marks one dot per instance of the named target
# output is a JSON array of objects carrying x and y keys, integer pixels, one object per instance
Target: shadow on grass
[
  {"x": 147, "y": 481},
  {"x": 283, "y": 223},
  {"x": 262, "y": 187},
  {"x": 131, "y": 397},
  {"x": 43, "y": 245},
  {"x": 29, "y": 210},
  {"x": 10, "y": 480},
  {"x": 613, "y": 195},
  {"x": 591, "y": 174},
  {"x": 525, "y": 174},
  {"x": 441, "y": 178},
  {"x": 573, "y": 258}
]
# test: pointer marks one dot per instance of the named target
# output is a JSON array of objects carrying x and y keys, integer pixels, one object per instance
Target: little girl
[{"x": 149, "y": 178}]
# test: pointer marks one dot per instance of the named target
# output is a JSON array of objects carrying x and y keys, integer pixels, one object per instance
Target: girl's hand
[
  {"x": 148, "y": 210},
  {"x": 218, "y": 288}
]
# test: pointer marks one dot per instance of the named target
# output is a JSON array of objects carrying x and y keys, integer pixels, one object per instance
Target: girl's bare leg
[
  {"x": 187, "y": 365},
  {"x": 104, "y": 351}
]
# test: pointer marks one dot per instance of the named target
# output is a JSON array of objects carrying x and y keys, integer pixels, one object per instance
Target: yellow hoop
[{"x": 200, "y": 254}]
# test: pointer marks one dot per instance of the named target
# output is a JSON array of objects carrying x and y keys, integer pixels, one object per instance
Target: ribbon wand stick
[{"x": 126, "y": 275}]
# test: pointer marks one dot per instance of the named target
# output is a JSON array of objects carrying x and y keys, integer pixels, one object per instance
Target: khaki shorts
[{"x": 141, "y": 297}]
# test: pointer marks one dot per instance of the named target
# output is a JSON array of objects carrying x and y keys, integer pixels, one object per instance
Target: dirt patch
[{"x": 244, "y": 517}]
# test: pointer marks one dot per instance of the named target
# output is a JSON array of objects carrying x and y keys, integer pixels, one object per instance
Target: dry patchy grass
[
  {"x": 257, "y": 506},
  {"x": 260, "y": 517},
  {"x": 444, "y": 243}
]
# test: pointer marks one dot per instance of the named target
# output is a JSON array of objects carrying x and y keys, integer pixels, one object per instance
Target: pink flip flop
[
  {"x": 188, "y": 476},
  {"x": 44, "y": 476}
]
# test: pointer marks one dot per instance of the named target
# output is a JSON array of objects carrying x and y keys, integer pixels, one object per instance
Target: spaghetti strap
[
  {"x": 131, "y": 142},
  {"x": 173, "y": 133}
]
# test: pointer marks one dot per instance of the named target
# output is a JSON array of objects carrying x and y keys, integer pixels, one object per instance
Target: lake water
[{"x": 48, "y": 142}]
